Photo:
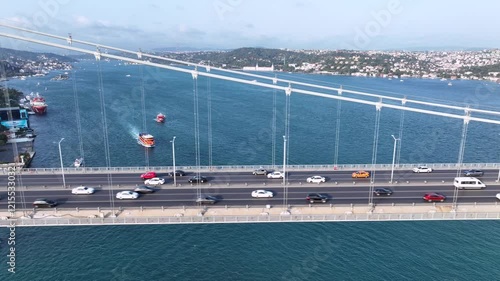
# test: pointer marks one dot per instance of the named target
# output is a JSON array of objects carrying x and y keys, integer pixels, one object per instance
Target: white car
[
  {"x": 154, "y": 181},
  {"x": 498, "y": 196},
  {"x": 422, "y": 169},
  {"x": 83, "y": 190},
  {"x": 275, "y": 175},
  {"x": 127, "y": 195},
  {"x": 316, "y": 179},
  {"x": 262, "y": 193}
]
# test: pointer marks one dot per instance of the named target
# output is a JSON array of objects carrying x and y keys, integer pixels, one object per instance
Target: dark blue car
[{"x": 473, "y": 173}]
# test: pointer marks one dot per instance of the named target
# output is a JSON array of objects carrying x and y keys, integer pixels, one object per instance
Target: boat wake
[{"x": 134, "y": 132}]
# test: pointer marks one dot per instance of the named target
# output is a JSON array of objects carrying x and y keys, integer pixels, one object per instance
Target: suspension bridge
[{"x": 234, "y": 183}]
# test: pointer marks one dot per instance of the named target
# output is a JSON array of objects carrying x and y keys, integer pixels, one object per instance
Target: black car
[
  {"x": 316, "y": 197},
  {"x": 44, "y": 203},
  {"x": 473, "y": 173},
  {"x": 383, "y": 191},
  {"x": 207, "y": 200},
  {"x": 260, "y": 172},
  {"x": 144, "y": 189},
  {"x": 178, "y": 173},
  {"x": 197, "y": 179}
]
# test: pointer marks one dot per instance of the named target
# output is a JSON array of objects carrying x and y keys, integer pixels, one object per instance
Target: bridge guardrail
[
  {"x": 253, "y": 219},
  {"x": 267, "y": 206},
  {"x": 249, "y": 168}
]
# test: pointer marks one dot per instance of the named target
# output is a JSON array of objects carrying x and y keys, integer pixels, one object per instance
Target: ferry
[
  {"x": 78, "y": 162},
  {"x": 38, "y": 104},
  {"x": 146, "y": 140},
  {"x": 160, "y": 118}
]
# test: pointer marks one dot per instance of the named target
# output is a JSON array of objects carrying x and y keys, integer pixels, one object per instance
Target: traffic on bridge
[{"x": 235, "y": 189}]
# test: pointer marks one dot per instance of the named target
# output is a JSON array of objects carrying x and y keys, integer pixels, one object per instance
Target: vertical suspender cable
[
  {"x": 461, "y": 153},
  {"x": 77, "y": 108},
  {"x": 105, "y": 131},
  {"x": 143, "y": 104},
  {"x": 288, "y": 108},
  {"x": 209, "y": 105},
  {"x": 286, "y": 146},
  {"x": 374, "y": 153},
  {"x": 273, "y": 128},
  {"x": 337, "y": 130},
  {"x": 196, "y": 130},
  {"x": 400, "y": 137},
  {"x": 19, "y": 179}
]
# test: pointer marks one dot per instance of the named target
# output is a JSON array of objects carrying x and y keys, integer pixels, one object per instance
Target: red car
[
  {"x": 148, "y": 175},
  {"x": 432, "y": 197}
]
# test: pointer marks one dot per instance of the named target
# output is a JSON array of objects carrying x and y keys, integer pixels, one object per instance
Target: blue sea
[
  {"x": 242, "y": 130},
  {"x": 241, "y": 120}
]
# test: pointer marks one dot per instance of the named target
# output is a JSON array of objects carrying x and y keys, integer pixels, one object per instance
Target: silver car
[{"x": 260, "y": 172}]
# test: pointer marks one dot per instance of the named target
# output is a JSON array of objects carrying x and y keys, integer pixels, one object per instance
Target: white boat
[
  {"x": 78, "y": 162},
  {"x": 449, "y": 84},
  {"x": 146, "y": 140}
]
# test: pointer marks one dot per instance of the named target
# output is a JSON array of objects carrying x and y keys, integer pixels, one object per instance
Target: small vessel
[
  {"x": 78, "y": 162},
  {"x": 449, "y": 84},
  {"x": 60, "y": 77},
  {"x": 146, "y": 140},
  {"x": 160, "y": 118},
  {"x": 38, "y": 104}
]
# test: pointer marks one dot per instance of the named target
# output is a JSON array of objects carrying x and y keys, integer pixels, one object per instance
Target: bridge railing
[
  {"x": 254, "y": 219},
  {"x": 247, "y": 168}
]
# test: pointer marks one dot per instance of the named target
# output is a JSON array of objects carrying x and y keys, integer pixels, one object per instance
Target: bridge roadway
[{"x": 233, "y": 189}]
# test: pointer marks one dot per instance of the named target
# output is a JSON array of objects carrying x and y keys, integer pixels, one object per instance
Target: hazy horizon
[{"x": 232, "y": 24}]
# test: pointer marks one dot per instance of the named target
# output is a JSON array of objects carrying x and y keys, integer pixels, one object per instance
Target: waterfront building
[
  {"x": 258, "y": 68},
  {"x": 14, "y": 117}
]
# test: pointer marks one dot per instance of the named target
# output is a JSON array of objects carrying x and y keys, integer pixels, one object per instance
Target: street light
[
  {"x": 62, "y": 166},
  {"x": 173, "y": 160},
  {"x": 284, "y": 161},
  {"x": 285, "y": 191},
  {"x": 393, "y": 156}
]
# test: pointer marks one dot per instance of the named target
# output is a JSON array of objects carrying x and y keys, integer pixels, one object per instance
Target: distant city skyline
[{"x": 229, "y": 24}]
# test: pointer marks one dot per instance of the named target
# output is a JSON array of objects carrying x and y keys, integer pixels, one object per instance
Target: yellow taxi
[{"x": 361, "y": 174}]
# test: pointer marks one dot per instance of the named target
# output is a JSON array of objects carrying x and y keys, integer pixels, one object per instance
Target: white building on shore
[{"x": 258, "y": 68}]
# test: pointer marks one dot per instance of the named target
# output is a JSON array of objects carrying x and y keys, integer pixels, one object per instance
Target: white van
[{"x": 468, "y": 183}]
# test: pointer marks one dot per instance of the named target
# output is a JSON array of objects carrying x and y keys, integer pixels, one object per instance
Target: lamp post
[
  {"x": 173, "y": 160},
  {"x": 285, "y": 192},
  {"x": 62, "y": 166},
  {"x": 393, "y": 156},
  {"x": 284, "y": 161}
]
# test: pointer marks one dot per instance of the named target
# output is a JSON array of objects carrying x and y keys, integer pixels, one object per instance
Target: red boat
[
  {"x": 38, "y": 104},
  {"x": 160, "y": 118}
]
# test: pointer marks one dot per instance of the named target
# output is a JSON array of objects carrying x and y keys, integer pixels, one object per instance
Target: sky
[{"x": 292, "y": 24}]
